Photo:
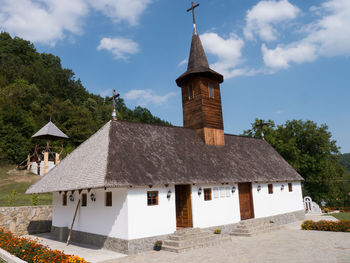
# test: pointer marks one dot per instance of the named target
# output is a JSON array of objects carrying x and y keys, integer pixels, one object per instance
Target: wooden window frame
[
  {"x": 150, "y": 200},
  {"x": 207, "y": 194},
  {"x": 108, "y": 199},
  {"x": 64, "y": 199},
  {"x": 84, "y": 199},
  {"x": 290, "y": 187},
  {"x": 190, "y": 94},
  {"x": 270, "y": 188},
  {"x": 211, "y": 90}
]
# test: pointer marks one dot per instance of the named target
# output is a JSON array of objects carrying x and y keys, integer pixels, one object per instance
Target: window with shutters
[
  {"x": 152, "y": 198},
  {"x": 207, "y": 194},
  {"x": 64, "y": 199},
  {"x": 270, "y": 186},
  {"x": 108, "y": 198},
  {"x": 83, "y": 200},
  {"x": 290, "y": 187}
]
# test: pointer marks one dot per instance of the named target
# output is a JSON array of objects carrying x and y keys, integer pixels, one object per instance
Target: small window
[
  {"x": 64, "y": 199},
  {"x": 108, "y": 198},
  {"x": 216, "y": 192},
  {"x": 211, "y": 90},
  {"x": 83, "y": 200},
  {"x": 152, "y": 198},
  {"x": 207, "y": 194},
  {"x": 290, "y": 187},
  {"x": 190, "y": 92},
  {"x": 270, "y": 188}
]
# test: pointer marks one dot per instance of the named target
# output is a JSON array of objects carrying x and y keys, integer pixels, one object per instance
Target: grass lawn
[
  {"x": 10, "y": 180},
  {"x": 340, "y": 216}
]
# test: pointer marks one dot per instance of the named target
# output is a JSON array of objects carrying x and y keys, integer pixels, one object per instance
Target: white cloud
[
  {"x": 118, "y": 10},
  {"x": 120, "y": 47},
  {"x": 328, "y": 36},
  {"x": 42, "y": 21},
  {"x": 228, "y": 52},
  {"x": 183, "y": 62},
  {"x": 263, "y": 17},
  {"x": 48, "y": 21},
  {"x": 145, "y": 97}
]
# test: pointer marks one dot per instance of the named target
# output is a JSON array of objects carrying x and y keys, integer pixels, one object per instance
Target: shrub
[
  {"x": 11, "y": 197},
  {"x": 217, "y": 231},
  {"x": 34, "y": 199},
  {"x": 323, "y": 225},
  {"x": 158, "y": 245},
  {"x": 32, "y": 252}
]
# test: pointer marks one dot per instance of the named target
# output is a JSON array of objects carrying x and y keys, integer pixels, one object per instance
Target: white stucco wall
[
  {"x": 146, "y": 221},
  {"x": 222, "y": 209},
  {"x": 131, "y": 218},
  {"x": 95, "y": 217},
  {"x": 279, "y": 202}
]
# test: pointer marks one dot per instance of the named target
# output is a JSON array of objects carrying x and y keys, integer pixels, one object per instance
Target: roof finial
[
  {"x": 194, "y": 19},
  {"x": 114, "y": 113}
]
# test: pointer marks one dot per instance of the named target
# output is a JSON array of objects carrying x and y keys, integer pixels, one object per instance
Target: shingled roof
[
  {"x": 123, "y": 154},
  {"x": 198, "y": 64},
  {"x": 50, "y": 131}
]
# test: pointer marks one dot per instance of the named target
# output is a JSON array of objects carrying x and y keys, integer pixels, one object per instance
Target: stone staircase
[
  {"x": 191, "y": 238},
  {"x": 255, "y": 226}
]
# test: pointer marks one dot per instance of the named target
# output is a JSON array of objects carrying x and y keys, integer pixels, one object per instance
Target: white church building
[{"x": 137, "y": 183}]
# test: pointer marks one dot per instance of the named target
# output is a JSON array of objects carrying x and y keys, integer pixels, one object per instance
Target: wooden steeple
[{"x": 201, "y": 99}]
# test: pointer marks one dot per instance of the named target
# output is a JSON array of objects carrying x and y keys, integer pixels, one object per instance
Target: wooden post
[
  {"x": 71, "y": 228},
  {"x": 28, "y": 162},
  {"x": 57, "y": 158},
  {"x": 46, "y": 162}
]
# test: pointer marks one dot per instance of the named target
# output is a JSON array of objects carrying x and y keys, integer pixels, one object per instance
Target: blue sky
[{"x": 281, "y": 59}]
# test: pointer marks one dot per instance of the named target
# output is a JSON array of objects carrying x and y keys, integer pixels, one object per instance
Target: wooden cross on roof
[
  {"x": 261, "y": 124},
  {"x": 114, "y": 97},
  {"x": 193, "y": 6}
]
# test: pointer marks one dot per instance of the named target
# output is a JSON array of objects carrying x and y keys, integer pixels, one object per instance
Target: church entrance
[
  {"x": 246, "y": 200},
  {"x": 183, "y": 206}
]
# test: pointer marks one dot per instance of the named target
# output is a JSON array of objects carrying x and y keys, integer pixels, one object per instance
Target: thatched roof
[{"x": 123, "y": 154}]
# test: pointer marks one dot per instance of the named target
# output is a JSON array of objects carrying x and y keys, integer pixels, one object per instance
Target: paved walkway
[
  {"x": 89, "y": 253},
  {"x": 288, "y": 245}
]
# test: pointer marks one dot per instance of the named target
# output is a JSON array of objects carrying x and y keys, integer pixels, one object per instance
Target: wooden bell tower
[{"x": 201, "y": 98}]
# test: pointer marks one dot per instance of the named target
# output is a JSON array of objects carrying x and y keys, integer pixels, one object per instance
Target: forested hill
[
  {"x": 34, "y": 86},
  {"x": 345, "y": 161}
]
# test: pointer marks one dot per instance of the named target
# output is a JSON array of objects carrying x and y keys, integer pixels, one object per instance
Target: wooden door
[
  {"x": 183, "y": 206},
  {"x": 246, "y": 200}
]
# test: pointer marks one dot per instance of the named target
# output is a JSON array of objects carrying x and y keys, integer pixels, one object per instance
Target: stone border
[{"x": 9, "y": 258}]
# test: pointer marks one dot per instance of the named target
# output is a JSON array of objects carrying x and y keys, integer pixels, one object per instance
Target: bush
[
  {"x": 323, "y": 225},
  {"x": 217, "y": 231},
  {"x": 32, "y": 252}
]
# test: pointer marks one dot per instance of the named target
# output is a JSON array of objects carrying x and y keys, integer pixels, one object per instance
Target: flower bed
[
  {"x": 29, "y": 250},
  {"x": 324, "y": 225}
]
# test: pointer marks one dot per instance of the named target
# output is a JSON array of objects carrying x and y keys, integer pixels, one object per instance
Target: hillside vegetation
[
  {"x": 345, "y": 161},
  {"x": 34, "y": 86}
]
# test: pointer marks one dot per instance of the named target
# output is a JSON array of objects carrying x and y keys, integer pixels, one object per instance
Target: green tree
[{"x": 310, "y": 149}]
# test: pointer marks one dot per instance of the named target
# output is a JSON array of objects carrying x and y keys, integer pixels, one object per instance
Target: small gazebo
[{"x": 49, "y": 133}]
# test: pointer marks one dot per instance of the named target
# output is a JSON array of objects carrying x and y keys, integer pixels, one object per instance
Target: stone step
[
  {"x": 255, "y": 231},
  {"x": 184, "y": 231},
  {"x": 178, "y": 237},
  {"x": 191, "y": 241},
  {"x": 206, "y": 243}
]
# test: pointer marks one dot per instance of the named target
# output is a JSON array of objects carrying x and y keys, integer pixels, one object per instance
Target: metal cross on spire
[
  {"x": 114, "y": 97},
  {"x": 193, "y": 6}
]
